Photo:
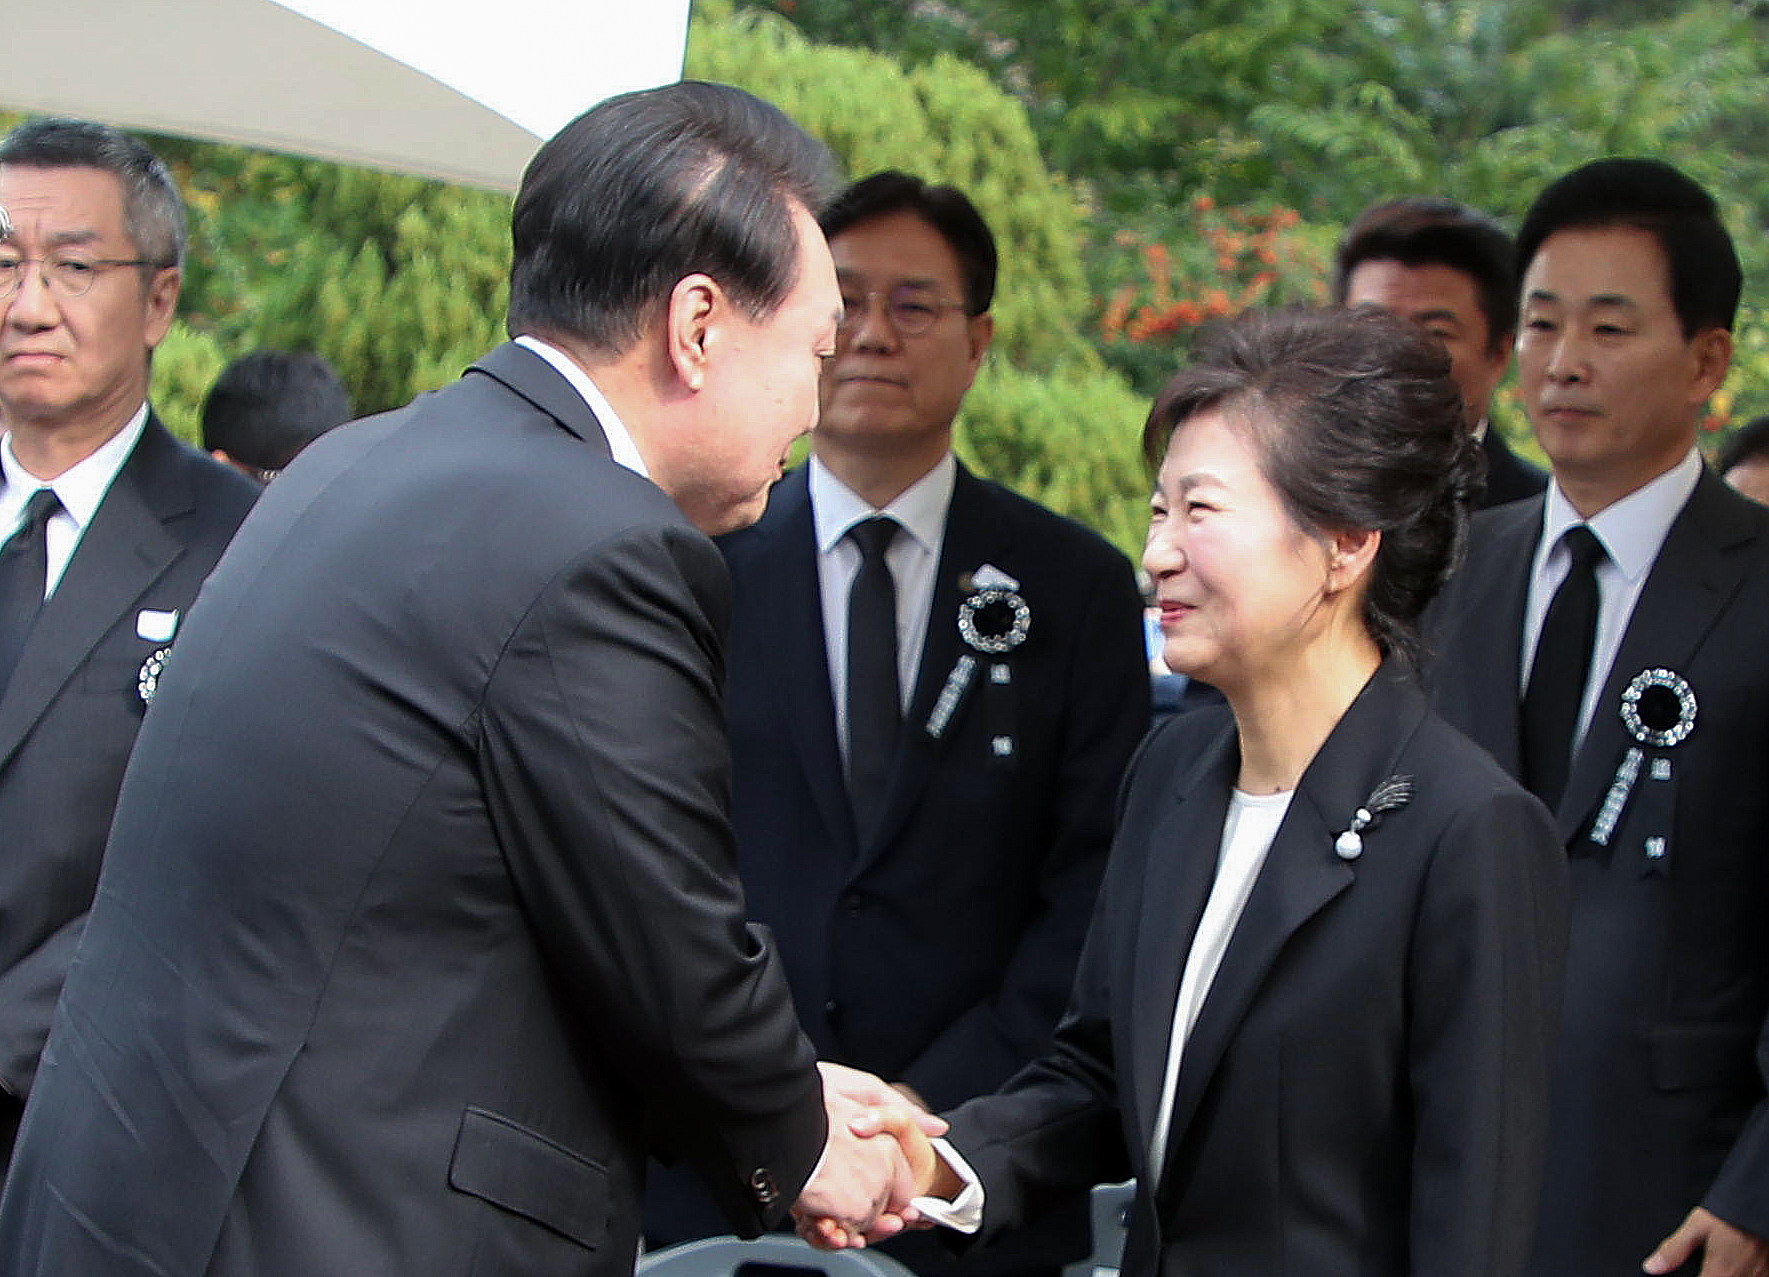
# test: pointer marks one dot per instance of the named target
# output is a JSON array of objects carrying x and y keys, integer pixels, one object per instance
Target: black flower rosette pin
[
  {"x": 1659, "y": 709},
  {"x": 993, "y": 620}
]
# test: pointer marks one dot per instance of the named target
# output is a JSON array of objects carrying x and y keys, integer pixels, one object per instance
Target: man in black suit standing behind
[
  {"x": 1450, "y": 270},
  {"x": 923, "y": 805},
  {"x": 1632, "y": 696},
  {"x": 109, "y": 526},
  {"x": 419, "y": 924}
]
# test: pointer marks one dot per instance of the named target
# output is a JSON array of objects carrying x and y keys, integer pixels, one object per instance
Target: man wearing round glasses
[
  {"x": 923, "y": 805},
  {"x": 107, "y": 528}
]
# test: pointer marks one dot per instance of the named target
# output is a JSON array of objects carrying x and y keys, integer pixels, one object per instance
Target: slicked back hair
[
  {"x": 1651, "y": 196},
  {"x": 647, "y": 188},
  {"x": 1428, "y": 230},
  {"x": 153, "y": 211},
  {"x": 946, "y": 208},
  {"x": 1358, "y": 427}
]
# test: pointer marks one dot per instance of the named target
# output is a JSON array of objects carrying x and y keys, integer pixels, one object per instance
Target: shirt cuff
[{"x": 964, "y": 1212}]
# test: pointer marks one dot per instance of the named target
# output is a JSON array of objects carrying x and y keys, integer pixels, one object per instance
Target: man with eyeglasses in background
[
  {"x": 107, "y": 527},
  {"x": 934, "y": 686}
]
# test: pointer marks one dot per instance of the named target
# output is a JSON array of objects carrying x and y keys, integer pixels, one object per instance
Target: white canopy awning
[{"x": 462, "y": 90}]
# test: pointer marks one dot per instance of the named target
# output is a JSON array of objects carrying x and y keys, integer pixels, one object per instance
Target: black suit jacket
[
  {"x": 1659, "y": 1102},
  {"x": 976, "y": 889},
  {"x": 69, "y": 717},
  {"x": 419, "y": 922},
  {"x": 1364, "y": 1090},
  {"x": 1508, "y": 476}
]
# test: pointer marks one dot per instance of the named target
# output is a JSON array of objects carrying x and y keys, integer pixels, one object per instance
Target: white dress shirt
[
  {"x": 1632, "y": 531},
  {"x": 620, "y": 442},
  {"x": 912, "y": 558},
  {"x": 80, "y": 489},
  {"x": 1247, "y": 834}
]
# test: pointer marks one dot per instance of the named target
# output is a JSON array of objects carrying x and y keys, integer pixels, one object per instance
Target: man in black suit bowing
[
  {"x": 1632, "y": 695},
  {"x": 109, "y": 525},
  {"x": 419, "y": 924},
  {"x": 1449, "y": 269},
  {"x": 935, "y": 685}
]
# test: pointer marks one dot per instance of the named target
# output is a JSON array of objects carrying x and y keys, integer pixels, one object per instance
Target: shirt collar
[
  {"x": 920, "y": 508},
  {"x": 1633, "y": 529},
  {"x": 620, "y": 441},
  {"x": 81, "y": 487}
]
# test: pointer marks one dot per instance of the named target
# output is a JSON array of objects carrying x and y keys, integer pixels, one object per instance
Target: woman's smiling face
[{"x": 1238, "y": 584}]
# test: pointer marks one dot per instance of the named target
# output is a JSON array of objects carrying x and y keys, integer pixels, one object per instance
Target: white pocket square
[{"x": 155, "y": 626}]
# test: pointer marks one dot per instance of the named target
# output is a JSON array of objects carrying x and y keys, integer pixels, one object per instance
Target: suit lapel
[
  {"x": 799, "y": 663},
  {"x": 122, "y": 552},
  {"x": 1689, "y": 583},
  {"x": 1301, "y": 872},
  {"x": 972, "y": 539},
  {"x": 1490, "y": 609},
  {"x": 1181, "y": 871}
]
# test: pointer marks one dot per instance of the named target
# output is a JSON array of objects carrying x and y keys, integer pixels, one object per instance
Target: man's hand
[
  {"x": 862, "y": 1191},
  {"x": 1726, "y": 1251}
]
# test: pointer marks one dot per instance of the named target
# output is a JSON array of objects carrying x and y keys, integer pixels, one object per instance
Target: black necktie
[
  {"x": 874, "y": 704},
  {"x": 24, "y": 567},
  {"x": 1563, "y": 663}
]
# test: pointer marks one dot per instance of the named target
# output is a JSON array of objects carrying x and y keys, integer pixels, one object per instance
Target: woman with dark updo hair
[{"x": 1313, "y": 1013}]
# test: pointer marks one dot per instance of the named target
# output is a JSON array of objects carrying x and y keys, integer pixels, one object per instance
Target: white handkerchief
[
  {"x": 990, "y": 577},
  {"x": 156, "y": 627}
]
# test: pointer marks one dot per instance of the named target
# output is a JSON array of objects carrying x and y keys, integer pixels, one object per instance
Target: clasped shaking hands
[{"x": 878, "y": 1160}]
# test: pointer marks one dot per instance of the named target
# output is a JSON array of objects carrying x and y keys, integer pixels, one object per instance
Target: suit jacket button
[{"x": 763, "y": 1184}]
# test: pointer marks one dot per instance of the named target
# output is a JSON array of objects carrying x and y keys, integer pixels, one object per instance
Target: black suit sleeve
[
  {"x": 1740, "y": 1195},
  {"x": 1054, "y": 1129},
  {"x": 28, "y": 993},
  {"x": 1106, "y": 700},
  {"x": 606, "y": 768},
  {"x": 1487, "y": 953}
]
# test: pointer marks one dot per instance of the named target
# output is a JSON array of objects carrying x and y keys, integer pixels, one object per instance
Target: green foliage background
[{"x": 1145, "y": 166}]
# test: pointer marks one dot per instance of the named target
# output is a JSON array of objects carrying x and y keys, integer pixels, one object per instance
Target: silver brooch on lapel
[
  {"x": 1396, "y": 791},
  {"x": 992, "y": 617},
  {"x": 147, "y": 682},
  {"x": 1658, "y": 708}
]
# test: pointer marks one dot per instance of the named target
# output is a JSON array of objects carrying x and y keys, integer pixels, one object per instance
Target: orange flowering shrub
[{"x": 1216, "y": 262}]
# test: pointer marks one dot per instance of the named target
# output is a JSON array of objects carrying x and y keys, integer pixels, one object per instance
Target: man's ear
[
  {"x": 696, "y": 306},
  {"x": 1349, "y": 555},
  {"x": 160, "y": 303},
  {"x": 1712, "y": 352},
  {"x": 980, "y": 331}
]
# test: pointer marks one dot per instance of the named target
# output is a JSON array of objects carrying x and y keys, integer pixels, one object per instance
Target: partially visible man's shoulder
[
  {"x": 221, "y": 496},
  {"x": 219, "y": 486},
  {"x": 1066, "y": 540},
  {"x": 1445, "y": 753},
  {"x": 788, "y": 499},
  {"x": 1498, "y": 528}
]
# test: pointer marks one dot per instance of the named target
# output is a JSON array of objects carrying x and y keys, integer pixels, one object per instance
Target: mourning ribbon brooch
[
  {"x": 993, "y": 620},
  {"x": 1658, "y": 708}
]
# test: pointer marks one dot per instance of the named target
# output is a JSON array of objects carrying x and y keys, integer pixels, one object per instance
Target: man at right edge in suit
[
  {"x": 1631, "y": 693},
  {"x": 419, "y": 924},
  {"x": 1449, "y": 269}
]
